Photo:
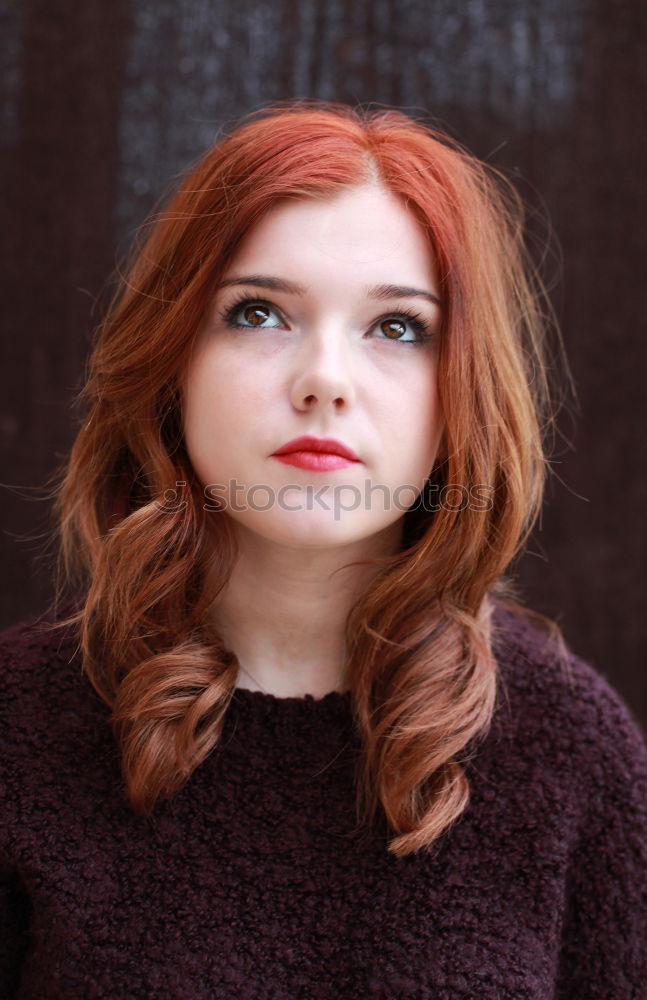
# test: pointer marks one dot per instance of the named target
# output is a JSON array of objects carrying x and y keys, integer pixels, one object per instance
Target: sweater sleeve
[{"x": 604, "y": 936}]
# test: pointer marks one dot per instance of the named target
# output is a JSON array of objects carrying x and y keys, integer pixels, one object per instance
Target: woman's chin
[{"x": 317, "y": 529}]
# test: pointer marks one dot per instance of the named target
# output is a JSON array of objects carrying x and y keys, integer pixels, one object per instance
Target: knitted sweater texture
[{"x": 254, "y": 881}]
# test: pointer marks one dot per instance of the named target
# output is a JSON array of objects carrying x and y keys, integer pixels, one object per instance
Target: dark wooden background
[{"x": 102, "y": 103}]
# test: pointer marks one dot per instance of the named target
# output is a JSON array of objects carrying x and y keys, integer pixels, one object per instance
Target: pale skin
[{"x": 335, "y": 358}]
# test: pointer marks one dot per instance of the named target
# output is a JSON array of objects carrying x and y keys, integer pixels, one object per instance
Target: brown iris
[
  {"x": 395, "y": 325},
  {"x": 261, "y": 312}
]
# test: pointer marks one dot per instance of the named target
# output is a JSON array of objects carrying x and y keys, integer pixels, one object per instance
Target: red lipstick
[{"x": 316, "y": 454}]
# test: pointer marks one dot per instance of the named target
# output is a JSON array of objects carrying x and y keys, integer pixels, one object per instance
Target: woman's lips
[
  {"x": 316, "y": 454},
  {"x": 315, "y": 461}
]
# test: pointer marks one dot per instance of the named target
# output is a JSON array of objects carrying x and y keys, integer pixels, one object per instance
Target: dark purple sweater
[{"x": 254, "y": 882}]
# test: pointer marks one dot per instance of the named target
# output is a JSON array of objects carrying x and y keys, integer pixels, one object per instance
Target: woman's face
[{"x": 307, "y": 336}]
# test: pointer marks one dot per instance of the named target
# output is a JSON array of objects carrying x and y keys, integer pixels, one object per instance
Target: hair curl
[{"x": 421, "y": 666}]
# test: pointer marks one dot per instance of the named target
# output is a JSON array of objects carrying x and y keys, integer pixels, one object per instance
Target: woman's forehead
[{"x": 364, "y": 232}]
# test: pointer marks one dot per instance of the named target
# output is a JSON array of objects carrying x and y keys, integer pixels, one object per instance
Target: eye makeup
[{"x": 229, "y": 316}]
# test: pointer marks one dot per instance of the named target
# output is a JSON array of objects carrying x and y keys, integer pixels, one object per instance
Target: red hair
[{"x": 421, "y": 666}]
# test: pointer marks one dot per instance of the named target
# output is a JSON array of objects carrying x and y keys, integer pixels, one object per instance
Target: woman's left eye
[{"x": 395, "y": 328}]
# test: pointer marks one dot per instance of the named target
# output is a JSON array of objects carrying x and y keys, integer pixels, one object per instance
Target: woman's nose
[{"x": 323, "y": 371}]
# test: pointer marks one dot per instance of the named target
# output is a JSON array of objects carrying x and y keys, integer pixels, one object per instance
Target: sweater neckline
[
  {"x": 308, "y": 704},
  {"x": 297, "y": 732},
  {"x": 266, "y": 697},
  {"x": 264, "y": 712}
]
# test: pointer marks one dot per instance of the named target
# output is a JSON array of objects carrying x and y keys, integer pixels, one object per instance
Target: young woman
[{"x": 290, "y": 734}]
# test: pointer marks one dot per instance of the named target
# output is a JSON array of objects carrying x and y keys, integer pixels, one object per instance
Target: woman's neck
[{"x": 283, "y": 611}]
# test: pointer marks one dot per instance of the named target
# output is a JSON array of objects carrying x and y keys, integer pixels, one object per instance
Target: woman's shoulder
[
  {"x": 563, "y": 777},
  {"x": 553, "y": 701},
  {"x": 29, "y": 646},
  {"x": 42, "y": 685},
  {"x": 58, "y": 753}
]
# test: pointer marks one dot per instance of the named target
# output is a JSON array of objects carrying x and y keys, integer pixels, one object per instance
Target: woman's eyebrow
[
  {"x": 266, "y": 281},
  {"x": 400, "y": 292},
  {"x": 294, "y": 288}
]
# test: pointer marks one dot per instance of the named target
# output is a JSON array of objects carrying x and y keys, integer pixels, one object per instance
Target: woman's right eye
[{"x": 248, "y": 314}]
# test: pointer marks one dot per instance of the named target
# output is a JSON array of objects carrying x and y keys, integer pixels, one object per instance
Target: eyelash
[{"x": 416, "y": 321}]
